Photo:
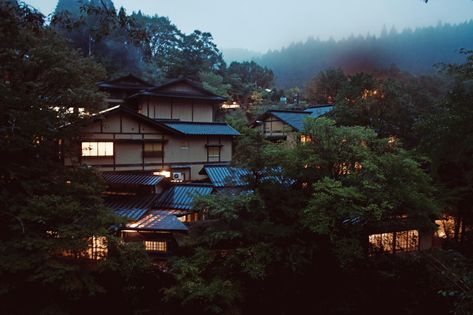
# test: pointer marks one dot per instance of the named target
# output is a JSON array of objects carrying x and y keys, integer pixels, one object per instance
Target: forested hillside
[{"x": 415, "y": 51}]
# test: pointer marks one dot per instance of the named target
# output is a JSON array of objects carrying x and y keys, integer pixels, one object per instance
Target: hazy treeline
[{"x": 415, "y": 51}]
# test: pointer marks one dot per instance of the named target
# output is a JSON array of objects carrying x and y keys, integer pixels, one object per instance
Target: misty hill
[
  {"x": 414, "y": 51},
  {"x": 239, "y": 54}
]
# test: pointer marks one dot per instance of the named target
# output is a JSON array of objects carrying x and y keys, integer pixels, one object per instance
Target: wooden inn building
[{"x": 159, "y": 147}]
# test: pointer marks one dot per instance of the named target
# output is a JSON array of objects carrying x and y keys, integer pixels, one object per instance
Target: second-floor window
[
  {"x": 213, "y": 154},
  {"x": 153, "y": 150},
  {"x": 97, "y": 148}
]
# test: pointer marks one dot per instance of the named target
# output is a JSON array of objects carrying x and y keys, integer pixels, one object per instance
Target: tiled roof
[
  {"x": 319, "y": 110},
  {"x": 294, "y": 119},
  {"x": 182, "y": 196},
  {"x": 158, "y": 221},
  {"x": 226, "y": 176},
  {"x": 204, "y": 129},
  {"x": 179, "y": 95},
  {"x": 132, "y": 207},
  {"x": 163, "y": 91},
  {"x": 129, "y": 82},
  {"x": 131, "y": 179}
]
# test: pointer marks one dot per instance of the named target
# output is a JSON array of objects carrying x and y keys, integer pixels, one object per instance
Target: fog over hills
[
  {"x": 239, "y": 54},
  {"x": 416, "y": 51}
]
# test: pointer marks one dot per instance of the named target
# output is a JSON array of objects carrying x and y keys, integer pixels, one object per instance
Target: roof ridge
[
  {"x": 195, "y": 122},
  {"x": 287, "y": 111}
]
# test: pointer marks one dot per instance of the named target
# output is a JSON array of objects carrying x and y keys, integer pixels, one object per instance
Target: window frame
[
  {"x": 214, "y": 157},
  {"x": 97, "y": 149},
  {"x": 153, "y": 152},
  {"x": 391, "y": 242},
  {"x": 156, "y": 246}
]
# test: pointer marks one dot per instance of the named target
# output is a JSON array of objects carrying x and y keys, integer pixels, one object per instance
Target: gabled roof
[
  {"x": 182, "y": 196},
  {"x": 125, "y": 109},
  {"x": 319, "y": 110},
  {"x": 131, "y": 179},
  {"x": 158, "y": 221},
  {"x": 130, "y": 206},
  {"x": 226, "y": 176},
  {"x": 202, "y": 129},
  {"x": 295, "y": 118},
  {"x": 195, "y": 91},
  {"x": 128, "y": 82},
  {"x": 292, "y": 118}
]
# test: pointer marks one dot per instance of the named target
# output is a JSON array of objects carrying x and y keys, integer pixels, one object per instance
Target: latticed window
[
  {"x": 156, "y": 246},
  {"x": 97, "y": 248},
  {"x": 394, "y": 242}
]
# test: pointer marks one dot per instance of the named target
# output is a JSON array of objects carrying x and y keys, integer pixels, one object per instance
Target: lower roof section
[
  {"x": 132, "y": 207},
  {"x": 226, "y": 176},
  {"x": 131, "y": 179},
  {"x": 157, "y": 220},
  {"x": 202, "y": 129},
  {"x": 182, "y": 196}
]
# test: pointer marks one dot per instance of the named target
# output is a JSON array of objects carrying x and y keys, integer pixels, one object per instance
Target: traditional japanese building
[
  {"x": 282, "y": 125},
  {"x": 149, "y": 145},
  {"x": 167, "y": 130}
]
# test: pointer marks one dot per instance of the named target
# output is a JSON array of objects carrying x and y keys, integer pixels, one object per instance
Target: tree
[
  {"x": 247, "y": 78},
  {"x": 215, "y": 84},
  {"x": 447, "y": 140},
  {"x": 324, "y": 87},
  {"x": 49, "y": 212},
  {"x": 264, "y": 249}
]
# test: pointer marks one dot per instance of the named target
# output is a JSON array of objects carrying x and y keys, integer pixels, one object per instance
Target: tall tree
[
  {"x": 324, "y": 87},
  {"x": 48, "y": 211},
  {"x": 265, "y": 248}
]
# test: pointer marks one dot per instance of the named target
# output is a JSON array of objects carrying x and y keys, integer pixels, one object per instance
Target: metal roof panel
[
  {"x": 182, "y": 196},
  {"x": 158, "y": 221},
  {"x": 204, "y": 129},
  {"x": 132, "y": 179},
  {"x": 132, "y": 207}
]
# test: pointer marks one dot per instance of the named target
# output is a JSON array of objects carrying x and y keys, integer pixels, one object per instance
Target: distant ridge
[
  {"x": 239, "y": 54},
  {"x": 415, "y": 51}
]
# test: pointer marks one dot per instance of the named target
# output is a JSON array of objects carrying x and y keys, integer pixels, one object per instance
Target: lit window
[
  {"x": 97, "y": 248},
  {"x": 153, "y": 150},
  {"x": 163, "y": 173},
  {"x": 189, "y": 217},
  {"x": 97, "y": 148},
  {"x": 446, "y": 228},
  {"x": 154, "y": 246},
  {"x": 213, "y": 154},
  {"x": 407, "y": 241},
  {"x": 305, "y": 139},
  {"x": 394, "y": 242}
]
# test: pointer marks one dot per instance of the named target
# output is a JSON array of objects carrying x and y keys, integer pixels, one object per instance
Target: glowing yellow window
[
  {"x": 156, "y": 246},
  {"x": 97, "y": 148},
  {"x": 305, "y": 139}
]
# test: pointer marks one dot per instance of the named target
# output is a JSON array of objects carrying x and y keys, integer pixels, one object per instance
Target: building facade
[{"x": 168, "y": 130}]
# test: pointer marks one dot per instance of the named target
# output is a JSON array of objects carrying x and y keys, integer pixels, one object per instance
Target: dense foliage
[{"x": 295, "y": 240}]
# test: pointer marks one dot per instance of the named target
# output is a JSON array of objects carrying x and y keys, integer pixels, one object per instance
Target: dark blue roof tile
[
  {"x": 132, "y": 207},
  {"x": 203, "y": 129},
  {"x": 132, "y": 179},
  {"x": 182, "y": 196},
  {"x": 158, "y": 221}
]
